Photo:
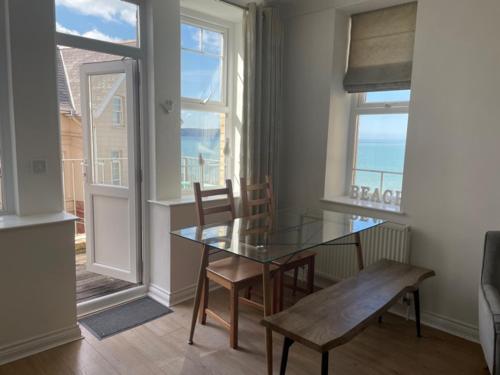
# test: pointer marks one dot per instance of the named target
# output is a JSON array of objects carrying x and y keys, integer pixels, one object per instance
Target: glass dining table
[{"x": 267, "y": 238}]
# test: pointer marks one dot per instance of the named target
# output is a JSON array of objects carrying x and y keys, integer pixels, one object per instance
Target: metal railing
[
  {"x": 73, "y": 178},
  {"x": 382, "y": 174},
  {"x": 194, "y": 169}
]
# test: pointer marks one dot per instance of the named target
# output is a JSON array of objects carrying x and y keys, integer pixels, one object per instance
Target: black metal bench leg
[
  {"x": 284, "y": 358},
  {"x": 416, "y": 300},
  {"x": 324, "y": 363}
]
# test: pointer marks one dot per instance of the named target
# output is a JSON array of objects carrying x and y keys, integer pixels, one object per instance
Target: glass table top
[{"x": 285, "y": 233}]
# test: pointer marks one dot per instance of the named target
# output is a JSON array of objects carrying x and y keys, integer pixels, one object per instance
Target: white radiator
[{"x": 389, "y": 241}]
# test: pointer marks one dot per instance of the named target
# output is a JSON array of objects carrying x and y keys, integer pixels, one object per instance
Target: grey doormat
[{"x": 121, "y": 318}]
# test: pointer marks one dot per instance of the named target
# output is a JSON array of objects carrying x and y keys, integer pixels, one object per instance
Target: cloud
[
  {"x": 92, "y": 34},
  {"x": 109, "y": 10}
]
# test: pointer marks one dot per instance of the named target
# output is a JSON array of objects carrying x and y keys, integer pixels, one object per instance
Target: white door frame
[
  {"x": 131, "y": 193},
  {"x": 138, "y": 53}
]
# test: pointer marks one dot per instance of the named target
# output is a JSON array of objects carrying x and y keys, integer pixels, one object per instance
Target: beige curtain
[{"x": 262, "y": 94}]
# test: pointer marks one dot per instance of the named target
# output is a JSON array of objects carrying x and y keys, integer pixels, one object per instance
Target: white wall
[
  {"x": 37, "y": 266},
  {"x": 37, "y": 275},
  {"x": 308, "y": 68},
  {"x": 452, "y": 190},
  {"x": 164, "y": 85},
  {"x": 35, "y": 108}
]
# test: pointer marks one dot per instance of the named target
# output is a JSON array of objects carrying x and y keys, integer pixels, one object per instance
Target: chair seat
[
  {"x": 236, "y": 269},
  {"x": 297, "y": 257}
]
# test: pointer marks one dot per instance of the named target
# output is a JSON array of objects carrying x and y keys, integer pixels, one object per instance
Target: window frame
[
  {"x": 217, "y": 26},
  {"x": 225, "y": 106},
  {"x": 360, "y": 107}
]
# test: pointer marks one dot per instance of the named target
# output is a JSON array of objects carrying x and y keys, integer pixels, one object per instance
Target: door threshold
[{"x": 105, "y": 302}]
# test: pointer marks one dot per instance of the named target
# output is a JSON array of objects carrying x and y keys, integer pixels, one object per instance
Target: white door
[{"x": 110, "y": 128}]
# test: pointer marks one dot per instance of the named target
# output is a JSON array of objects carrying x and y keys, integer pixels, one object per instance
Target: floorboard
[
  {"x": 91, "y": 285},
  {"x": 160, "y": 347}
]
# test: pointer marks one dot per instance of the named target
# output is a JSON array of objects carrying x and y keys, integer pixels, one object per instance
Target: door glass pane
[
  {"x": 109, "y": 142},
  {"x": 205, "y": 154},
  {"x": 109, "y": 20}
]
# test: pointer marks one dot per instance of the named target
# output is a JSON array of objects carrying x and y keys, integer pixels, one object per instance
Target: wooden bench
[{"x": 333, "y": 316}]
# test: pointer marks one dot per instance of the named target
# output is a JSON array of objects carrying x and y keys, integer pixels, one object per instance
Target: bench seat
[{"x": 334, "y": 315}]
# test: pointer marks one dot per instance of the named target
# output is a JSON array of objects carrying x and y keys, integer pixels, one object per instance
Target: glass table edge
[{"x": 273, "y": 259}]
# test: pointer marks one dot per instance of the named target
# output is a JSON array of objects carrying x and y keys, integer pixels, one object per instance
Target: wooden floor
[
  {"x": 160, "y": 347},
  {"x": 91, "y": 285}
]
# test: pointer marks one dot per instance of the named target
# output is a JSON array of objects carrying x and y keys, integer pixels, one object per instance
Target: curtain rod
[{"x": 229, "y": 2}]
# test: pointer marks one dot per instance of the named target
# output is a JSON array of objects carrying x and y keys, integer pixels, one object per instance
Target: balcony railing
[
  {"x": 381, "y": 173},
  {"x": 205, "y": 171},
  {"x": 208, "y": 173},
  {"x": 73, "y": 177}
]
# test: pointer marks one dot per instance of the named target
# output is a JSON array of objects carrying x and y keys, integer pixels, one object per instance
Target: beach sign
[{"x": 365, "y": 193}]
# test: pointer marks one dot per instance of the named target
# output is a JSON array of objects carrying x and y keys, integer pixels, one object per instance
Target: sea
[{"x": 385, "y": 155}]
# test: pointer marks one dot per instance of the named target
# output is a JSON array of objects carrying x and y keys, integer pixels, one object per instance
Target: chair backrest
[
  {"x": 202, "y": 212},
  {"x": 257, "y": 199}
]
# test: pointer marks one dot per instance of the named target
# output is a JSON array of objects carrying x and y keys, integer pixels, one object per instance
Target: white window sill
[
  {"x": 187, "y": 200},
  {"x": 374, "y": 206},
  {"x": 14, "y": 221}
]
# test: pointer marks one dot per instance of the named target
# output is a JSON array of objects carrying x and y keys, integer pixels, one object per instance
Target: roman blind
[{"x": 381, "y": 50}]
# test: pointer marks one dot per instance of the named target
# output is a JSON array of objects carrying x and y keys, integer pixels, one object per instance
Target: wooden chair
[
  {"x": 257, "y": 202},
  {"x": 233, "y": 273}
]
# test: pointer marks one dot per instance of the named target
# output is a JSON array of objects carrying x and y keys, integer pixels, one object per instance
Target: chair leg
[
  {"x": 310, "y": 275},
  {"x": 276, "y": 293},
  {"x": 416, "y": 300},
  {"x": 324, "y": 363},
  {"x": 281, "y": 289},
  {"x": 248, "y": 293},
  {"x": 284, "y": 358},
  {"x": 204, "y": 302},
  {"x": 233, "y": 317},
  {"x": 295, "y": 279}
]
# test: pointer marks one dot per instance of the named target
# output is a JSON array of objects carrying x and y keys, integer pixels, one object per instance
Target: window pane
[
  {"x": 388, "y": 96},
  {"x": 203, "y": 149},
  {"x": 380, "y": 151},
  {"x": 212, "y": 42},
  {"x": 190, "y": 37},
  {"x": 109, "y": 20},
  {"x": 201, "y": 76}
]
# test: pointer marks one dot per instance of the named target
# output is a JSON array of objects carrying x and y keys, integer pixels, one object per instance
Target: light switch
[{"x": 39, "y": 166}]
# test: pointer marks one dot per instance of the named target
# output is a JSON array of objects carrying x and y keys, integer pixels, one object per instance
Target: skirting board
[
  {"x": 442, "y": 323},
  {"x": 173, "y": 298},
  {"x": 453, "y": 327},
  {"x": 39, "y": 344}
]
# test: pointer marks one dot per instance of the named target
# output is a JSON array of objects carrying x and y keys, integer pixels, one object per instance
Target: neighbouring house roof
[
  {"x": 69, "y": 62},
  {"x": 65, "y": 101}
]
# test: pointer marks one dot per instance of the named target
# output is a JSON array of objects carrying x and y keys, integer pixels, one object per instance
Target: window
[
  {"x": 113, "y": 21},
  {"x": 116, "y": 168},
  {"x": 117, "y": 111},
  {"x": 380, "y": 121},
  {"x": 205, "y": 134}
]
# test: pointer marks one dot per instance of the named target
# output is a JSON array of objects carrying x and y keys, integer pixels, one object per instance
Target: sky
[{"x": 109, "y": 20}]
